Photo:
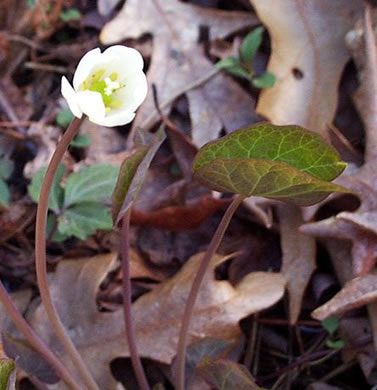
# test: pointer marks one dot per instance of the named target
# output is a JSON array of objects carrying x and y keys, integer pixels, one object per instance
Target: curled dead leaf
[{"x": 100, "y": 338}]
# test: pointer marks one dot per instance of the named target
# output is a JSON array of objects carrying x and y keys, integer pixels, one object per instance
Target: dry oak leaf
[
  {"x": 299, "y": 252},
  {"x": 100, "y": 337},
  {"x": 178, "y": 61},
  {"x": 308, "y": 56},
  {"x": 360, "y": 226},
  {"x": 357, "y": 292}
]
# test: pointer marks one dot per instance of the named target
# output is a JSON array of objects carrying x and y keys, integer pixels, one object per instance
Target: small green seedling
[
  {"x": 78, "y": 209},
  {"x": 64, "y": 118},
  {"x": 243, "y": 65},
  {"x": 70, "y": 15},
  {"x": 331, "y": 324},
  {"x": 6, "y": 169}
]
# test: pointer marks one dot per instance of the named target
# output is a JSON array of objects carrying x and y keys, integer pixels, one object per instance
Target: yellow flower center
[{"x": 106, "y": 86}]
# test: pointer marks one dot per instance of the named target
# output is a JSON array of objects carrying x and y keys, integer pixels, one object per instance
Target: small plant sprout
[
  {"x": 285, "y": 163},
  {"x": 243, "y": 65},
  {"x": 107, "y": 87}
]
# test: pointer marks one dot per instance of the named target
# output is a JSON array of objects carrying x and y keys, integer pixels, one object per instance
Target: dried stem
[
  {"x": 40, "y": 255},
  {"x": 35, "y": 341},
  {"x": 127, "y": 303},
  {"x": 183, "y": 335}
]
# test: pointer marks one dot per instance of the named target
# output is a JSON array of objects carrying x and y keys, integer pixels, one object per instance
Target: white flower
[{"x": 107, "y": 87}]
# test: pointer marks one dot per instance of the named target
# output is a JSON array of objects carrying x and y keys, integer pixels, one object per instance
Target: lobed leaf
[
  {"x": 4, "y": 193},
  {"x": 56, "y": 196},
  {"x": 84, "y": 219},
  {"x": 90, "y": 184},
  {"x": 6, "y": 168},
  {"x": 133, "y": 171},
  {"x": 280, "y": 162}
]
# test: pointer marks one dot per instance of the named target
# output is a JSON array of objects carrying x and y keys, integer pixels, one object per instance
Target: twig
[
  {"x": 6, "y": 107},
  {"x": 148, "y": 122},
  {"x": 45, "y": 67},
  {"x": 127, "y": 303},
  {"x": 370, "y": 88},
  {"x": 34, "y": 339},
  {"x": 250, "y": 350},
  {"x": 190, "y": 303},
  {"x": 40, "y": 254}
]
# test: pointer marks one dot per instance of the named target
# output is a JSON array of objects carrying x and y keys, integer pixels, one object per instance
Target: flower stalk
[
  {"x": 35, "y": 341},
  {"x": 195, "y": 288},
  {"x": 127, "y": 303},
  {"x": 40, "y": 255}
]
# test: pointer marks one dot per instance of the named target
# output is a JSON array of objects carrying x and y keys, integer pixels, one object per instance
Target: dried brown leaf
[
  {"x": 179, "y": 218},
  {"x": 308, "y": 56},
  {"x": 361, "y": 225},
  {"x": 355, "y": 293},
  {"x": 178, "y": 61},
  {"x": 298, "y": 257},
  {"x": 100, "y": 336}
]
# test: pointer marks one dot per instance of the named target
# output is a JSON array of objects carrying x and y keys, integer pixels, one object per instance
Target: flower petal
[
  {"x": 127, "y": 57},
  {"x": 91, "y": 104},
  {"x": 70, "y": 96},
  {"x": 134, "y": 92},
  {"x": 118, "y": 118},
  {"x": 86, "y": 64}
]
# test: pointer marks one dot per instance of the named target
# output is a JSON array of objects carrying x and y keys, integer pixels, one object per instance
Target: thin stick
[
  {"x": 127, "y": 303},
  {"x": 148, "y": 122},
  {"x": 214, "y": 244},
  {"x": 40, "y": 255},
  {"x": 34, "y": 339}
]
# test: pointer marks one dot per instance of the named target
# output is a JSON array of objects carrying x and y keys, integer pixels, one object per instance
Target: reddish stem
[
  {"x": 35, "y": 341},
  {"x": 40, "y": 254},
  {"x": 127, "y": 303},
  {"x": 187, "y": 315}
]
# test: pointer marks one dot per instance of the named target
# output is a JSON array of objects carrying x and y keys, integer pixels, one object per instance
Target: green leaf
[
  {"x": 70, "y": 15},
  {"x": 337, "y": 344},
  {"x": 7, "y": 374},
  {"x": 226, "y": 375},
  {"x": 226, "y": 63},
  {"x": 84, "y": 219},
  {"x": 133, "y": 171},
  {"x": 64, "y": 118},
  {"x": 279, "y": 162},
  {"x": 57, "y": 236},
  {"x": 30, "y": 3},
  {"x": 250, "y": 45},
  {"x": 6, "y": 168},
  {"x": 81, "y": 141},
  {"x": 233, "y": 66},
  {"x": 90, "y": 184},
  {"x": 331, "y": 324},
  {"x": 266, "y": 80},
  {"x": 56, "y": 196},
  {"x": 4, "y": 194}
]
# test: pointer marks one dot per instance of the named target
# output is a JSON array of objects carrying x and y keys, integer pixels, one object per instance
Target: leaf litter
[{"x": 174, "y": 215}]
